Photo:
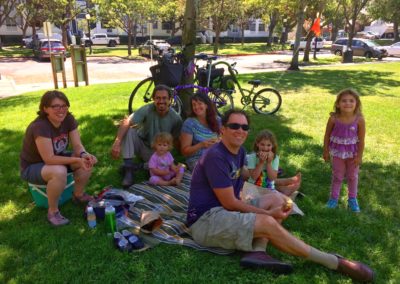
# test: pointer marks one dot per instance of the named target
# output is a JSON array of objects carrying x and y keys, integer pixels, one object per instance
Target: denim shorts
[{"x": 33, "y": 173}]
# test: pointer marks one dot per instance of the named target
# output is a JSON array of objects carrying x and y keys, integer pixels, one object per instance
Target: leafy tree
[
  {"x": 6, "y": 7},
  {"x": 32, "y": 15},
  {"x": 351, "y": 12},
  {"x": 61, "y": 13},
  {"x": 127, "y": 15},
  {"x": 172, "y": 11},
  {"x": 222, "y": 13},
  {"x": 333, "y": 15},
  {"x": 387, "y": 10},
  {"x": 300, "y": 15}
]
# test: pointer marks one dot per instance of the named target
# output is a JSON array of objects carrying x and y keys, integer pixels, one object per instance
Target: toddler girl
[
  {"x": 163, "y": 171},
  {"x": 344, "y": 144},
  {"x": 263, "y": 166}
]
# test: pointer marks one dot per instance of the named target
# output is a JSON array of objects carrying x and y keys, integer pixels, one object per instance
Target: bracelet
[{"x": 82, "y": 153}]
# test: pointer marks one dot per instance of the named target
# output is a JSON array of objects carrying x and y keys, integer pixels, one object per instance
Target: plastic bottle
[
  {"x": 91, "y": 217},
  {"x": 111, "y": 220}
]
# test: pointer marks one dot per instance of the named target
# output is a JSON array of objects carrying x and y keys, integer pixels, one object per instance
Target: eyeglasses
[
  {"x": 161, "y": 98},
  {"x": 236, "y": 126},
  {"x": 59, "y": 107}
]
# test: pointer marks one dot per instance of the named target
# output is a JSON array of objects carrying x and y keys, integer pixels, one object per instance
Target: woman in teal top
[{"x": 200, "y": 130}]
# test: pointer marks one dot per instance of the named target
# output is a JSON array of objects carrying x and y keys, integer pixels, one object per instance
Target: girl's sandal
[{"x": 83, "y": 199}]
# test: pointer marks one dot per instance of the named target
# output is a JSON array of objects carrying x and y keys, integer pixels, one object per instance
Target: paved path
[{"x": 20, "y": 75}]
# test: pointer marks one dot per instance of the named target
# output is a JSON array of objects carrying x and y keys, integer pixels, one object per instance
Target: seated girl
[
  {"x": 263, "y": 166},
  {"x": 163, "y": 171}
]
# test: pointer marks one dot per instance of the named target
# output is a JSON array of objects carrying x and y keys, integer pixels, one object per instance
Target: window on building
[
  {"x": 261, "y": 27},
  {"x": 10, "y": 22},
  {"x": 166, "y": 25},
  {"x": 155, "y": 25},
  {"x": 252, "y": 26}
]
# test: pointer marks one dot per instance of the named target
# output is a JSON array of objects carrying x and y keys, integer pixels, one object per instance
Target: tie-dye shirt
[
  {"x": 199, "y": 133},
  {"x": 263, "y": 179}
]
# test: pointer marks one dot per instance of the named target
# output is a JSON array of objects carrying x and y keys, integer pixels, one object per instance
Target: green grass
[{"x": 33, "y": 252}]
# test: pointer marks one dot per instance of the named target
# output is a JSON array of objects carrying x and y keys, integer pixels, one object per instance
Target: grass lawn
[{"x": 33, "y": 252}]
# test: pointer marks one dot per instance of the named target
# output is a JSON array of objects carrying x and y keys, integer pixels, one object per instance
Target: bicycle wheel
[
  {"x": 141, "y": 94},
  {"x": 267, "y": 101},
  {"x": 222, "y": 100},
  {"x": 177, "y": 104}
]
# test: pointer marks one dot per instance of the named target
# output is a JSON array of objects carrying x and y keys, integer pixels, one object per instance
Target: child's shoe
[
  {"x": 353, "y": 205},
  {"x": 332, "y": 203}
]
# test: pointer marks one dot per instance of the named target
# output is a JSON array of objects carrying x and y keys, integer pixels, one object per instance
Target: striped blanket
[{"x": 171, "y": 202}]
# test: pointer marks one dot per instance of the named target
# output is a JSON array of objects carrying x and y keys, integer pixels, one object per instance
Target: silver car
[
  {"x": 360, "y": 47},
  {"x": 155, "y": 46}
]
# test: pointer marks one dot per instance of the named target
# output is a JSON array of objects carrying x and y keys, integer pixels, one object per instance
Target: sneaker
[
  {"x": 128, "y": 178},
  {"x": 355, "y": 270},
  {"x": 259, "y": 259},
  {"x": 353, "y": 205},
  {"x": 332, "y": 203},
  {"x": 56, "y": 219}
]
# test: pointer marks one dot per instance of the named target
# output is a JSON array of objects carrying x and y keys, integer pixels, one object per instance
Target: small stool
[{"x": 39, "y": 192}]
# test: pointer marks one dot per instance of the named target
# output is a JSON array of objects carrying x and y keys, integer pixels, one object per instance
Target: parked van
[{"x": 360, "y": 47}]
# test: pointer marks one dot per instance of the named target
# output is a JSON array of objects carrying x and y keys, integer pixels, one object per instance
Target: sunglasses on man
[{"x": 236, "y": 126}]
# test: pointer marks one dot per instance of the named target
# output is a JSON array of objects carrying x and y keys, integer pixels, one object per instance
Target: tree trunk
[
  {"x": 129, "y": 43},
  {"x": 189, "y": 43},
  {"x": 242, "y": 33},
  {"x": 134, "y": 34},
  {"x": 64, "y": 35},
  {"x": 271, "y": 27},
  {"x": 217, "y": 37},
  {"x": 294, "y": 64},
  {"x": 396, "y": 30}
]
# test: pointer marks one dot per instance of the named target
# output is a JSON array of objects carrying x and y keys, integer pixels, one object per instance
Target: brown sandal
[{"x": 83, "y": 199}]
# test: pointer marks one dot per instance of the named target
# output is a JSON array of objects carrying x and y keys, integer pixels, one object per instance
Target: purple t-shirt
[
  {"x": 217, "y": 168},
  {"x": 42, "y": 127}
]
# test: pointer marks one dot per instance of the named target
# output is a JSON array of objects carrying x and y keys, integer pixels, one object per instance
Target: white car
[
  {"x": 393, "y": 50},
  {"x": 303, "y": 42}
]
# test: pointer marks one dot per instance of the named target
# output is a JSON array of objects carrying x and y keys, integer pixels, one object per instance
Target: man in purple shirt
[{"x": 219, "y": 218}]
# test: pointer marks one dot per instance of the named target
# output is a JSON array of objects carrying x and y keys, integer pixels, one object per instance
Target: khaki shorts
[{"x": 219, "y": 227}]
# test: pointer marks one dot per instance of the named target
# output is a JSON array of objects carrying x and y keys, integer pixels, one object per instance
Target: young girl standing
[
  {"x": 163, "y": 171},
  {"x": 344, "y": 144},
  {"x": 263, "y": 165}
]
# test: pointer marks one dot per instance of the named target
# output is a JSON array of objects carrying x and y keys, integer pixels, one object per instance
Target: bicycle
[
  {"x": 142, "y": 92},
  {"x": 265, "y": 101}
]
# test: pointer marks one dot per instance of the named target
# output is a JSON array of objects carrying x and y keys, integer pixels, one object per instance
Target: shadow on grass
[
  {"x": 362, "y": 80},
  {"x": 29, "y": 244}
]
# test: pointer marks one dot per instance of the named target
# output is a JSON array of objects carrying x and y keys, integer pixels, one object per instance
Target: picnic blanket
[{"x": 171, "y": 202}]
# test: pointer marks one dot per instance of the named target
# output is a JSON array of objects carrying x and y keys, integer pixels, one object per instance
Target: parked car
[
  {"x": 42, "y": 49},
  {"x": 303, "y": 42},
  {"x": 360, "y": 47},
  {"x": 393, "y": 50},
  {"x": 157, "y": 46},
  {"x": 100, "y": 39},
  {"x": 29, "y": 41}
]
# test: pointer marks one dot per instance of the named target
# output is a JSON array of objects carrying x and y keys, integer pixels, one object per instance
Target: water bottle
[
  {"x": 91, "y": 217},
  {"x": 111, "y": 220}
]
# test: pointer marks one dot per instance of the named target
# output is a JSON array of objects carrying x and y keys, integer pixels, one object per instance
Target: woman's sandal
[{"x": 83, "y": 199}]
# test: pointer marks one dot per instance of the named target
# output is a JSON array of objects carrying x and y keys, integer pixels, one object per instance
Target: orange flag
[{"x": 316, "y": 27}]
